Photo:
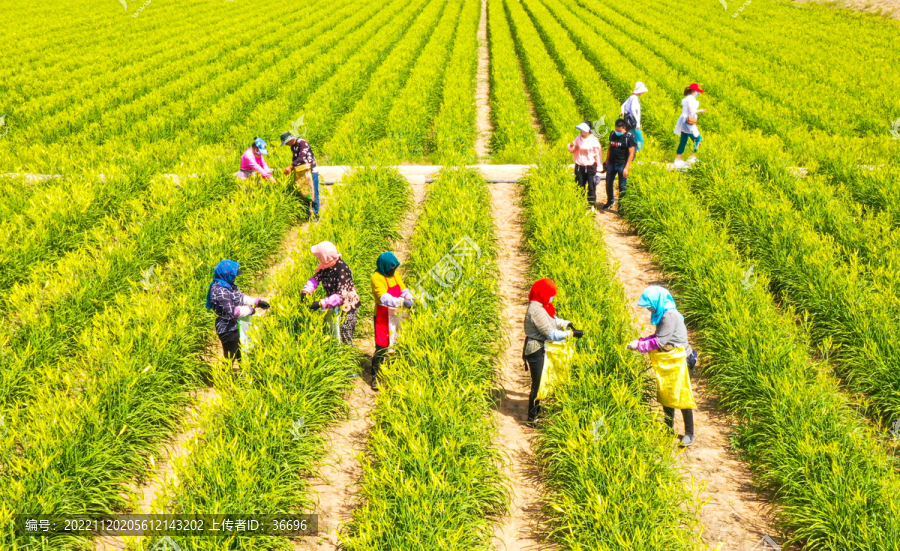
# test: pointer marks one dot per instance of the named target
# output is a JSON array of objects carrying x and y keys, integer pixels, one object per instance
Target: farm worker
[
  {"x": 390, "y": 292},
  {"x": 586, "y": 153},
  {"x": 631, "y": 112},
  {"x": 335, "y": 277},
  {"x": 229, "y": 303},
  {"x": 619, "y": 156},
  {"x": 669, "y": 352},
  {"x": 686, "y": 127},
  {"x": 303, "y": 165},
  {"x": 253, "y": 162},
  {"x": 541, "y": 325}
]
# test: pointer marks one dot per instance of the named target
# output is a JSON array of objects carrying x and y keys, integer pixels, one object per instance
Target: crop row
[
  {"x": 57, "y": 219},
  {"x": 850, "y": 305},
  {"x": 454, "y": 126},
  {"x": 835, "y": 487},
  {"x": 253, "y": 456},
  {"x": 47, "y": 315},
  {"x": 432, "y": 480},
  {"x": 607, "y": 458},
  {"x": 514, "y": 139},
  {"x": 128, "y": 385},
  {"x": 409, "y": 122},
  {"x": 555, "y": 106},
  {"x": 356, "y": 137}
]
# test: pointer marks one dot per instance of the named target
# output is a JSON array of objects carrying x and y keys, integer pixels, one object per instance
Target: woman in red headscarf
[{"x": 541, "y": 325}]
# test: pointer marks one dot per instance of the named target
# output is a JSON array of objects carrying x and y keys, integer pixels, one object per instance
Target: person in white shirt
[
  {"x": 631, "y": 112},
  {"x": 686, "y": 127}
]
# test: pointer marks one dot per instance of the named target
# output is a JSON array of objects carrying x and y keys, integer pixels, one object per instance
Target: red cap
[{"x": 696, "y": 87}]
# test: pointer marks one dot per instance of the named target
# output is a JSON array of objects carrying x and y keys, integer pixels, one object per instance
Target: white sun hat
[
  {"x": 584, "y": 127},
  {"x": 639, "y": 88}
]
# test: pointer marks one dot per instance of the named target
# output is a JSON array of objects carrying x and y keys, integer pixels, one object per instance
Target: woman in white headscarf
[
  {"x": 631, "y": 112},
  {"x": 336, "y": 278}
]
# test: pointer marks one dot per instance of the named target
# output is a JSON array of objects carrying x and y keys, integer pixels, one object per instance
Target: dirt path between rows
[
  {"x": 735, "y": 516},
  {"x": 482, "y": 89},
  {"x": 337, "y": 481},
  {"x": 518, "y": 530}
]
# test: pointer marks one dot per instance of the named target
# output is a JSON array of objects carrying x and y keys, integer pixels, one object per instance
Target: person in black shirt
[
  {"x": 303, "y": 165},
  {"x": 619, "y": 155}
]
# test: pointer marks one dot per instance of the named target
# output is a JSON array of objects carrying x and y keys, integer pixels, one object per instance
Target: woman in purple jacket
[{"x": 229, "y": 303}]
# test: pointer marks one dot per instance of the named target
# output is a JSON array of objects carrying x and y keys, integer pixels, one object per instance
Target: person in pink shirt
[
  {"x": 252, "y": 161},
  {"x": 587, "y": 154}
]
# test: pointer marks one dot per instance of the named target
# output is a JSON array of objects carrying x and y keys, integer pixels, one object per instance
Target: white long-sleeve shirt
[
  {"x": 633, "y": 105},
  {"x": 689, "y": 107}
]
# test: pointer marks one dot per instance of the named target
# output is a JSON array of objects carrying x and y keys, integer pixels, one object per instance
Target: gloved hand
[
  {"x": 571, "y": 326},
  {"x": 577, "y": 334},
  {"x": 315, "y": 306},
  {"x": 262, "y": 304},
  {"x": 633, "y": 345},
  {"x": 408, "y": 302}
]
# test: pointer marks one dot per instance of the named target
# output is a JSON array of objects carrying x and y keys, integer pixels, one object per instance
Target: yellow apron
[
  {"x": 673, "y": 382},
  {"x": 558, "y": 358}
]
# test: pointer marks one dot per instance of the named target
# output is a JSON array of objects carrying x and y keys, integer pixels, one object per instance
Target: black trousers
[
  {"x": 231, "y": 345},
  {"x": 380, "y": 352},
  {"x": 535, "y": 362},
  {"x": 584, "y": 175},
  {"x": 688, "y": 415}
]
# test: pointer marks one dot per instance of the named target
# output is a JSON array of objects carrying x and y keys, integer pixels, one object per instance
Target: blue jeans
[
  {"x": 315, "y": 204},
  {"x": 684, "y": 139},
  {"x": 639, "y": 138},
  {"x": 611, "y": 172}
]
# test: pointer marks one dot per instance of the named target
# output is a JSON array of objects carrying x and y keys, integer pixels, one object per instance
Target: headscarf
[
  {"x": 327, "y": 254},
  {"x": 543, "y": 291},
  {"x": 386, "y": 262},
  {"x": 658, "y": 298},
  {"x": 224, "y": 274}
]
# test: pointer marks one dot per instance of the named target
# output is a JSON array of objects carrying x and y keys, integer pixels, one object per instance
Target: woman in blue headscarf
[
  {"x": 670, "y": 354},
  {"x": 390, "y": 292},
  {"x": 229, "y": 303}
]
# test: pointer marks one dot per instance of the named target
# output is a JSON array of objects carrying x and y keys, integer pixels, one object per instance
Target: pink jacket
[
  {"x": 249, "y": 161},
  {"x": 586, "y": 152}
]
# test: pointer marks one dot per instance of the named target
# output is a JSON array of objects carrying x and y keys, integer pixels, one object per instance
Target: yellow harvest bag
[
  {"x": 673, "y": 382},
  {"x": 558, "y": 358}
]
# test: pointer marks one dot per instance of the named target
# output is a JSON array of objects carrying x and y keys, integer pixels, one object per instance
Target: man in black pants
[{"x": 619, "y": 155}]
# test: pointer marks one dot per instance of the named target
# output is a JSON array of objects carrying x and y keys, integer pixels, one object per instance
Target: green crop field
[{"x": 122, "y": 124}]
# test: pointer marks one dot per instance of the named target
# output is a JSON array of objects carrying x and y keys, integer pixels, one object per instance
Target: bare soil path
[
  {"x": 519, "y": 530},
  {"x": 482, "y": 88},
  {"x": 736, "y": 517},
  {"x": 337, "y": 481}
]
